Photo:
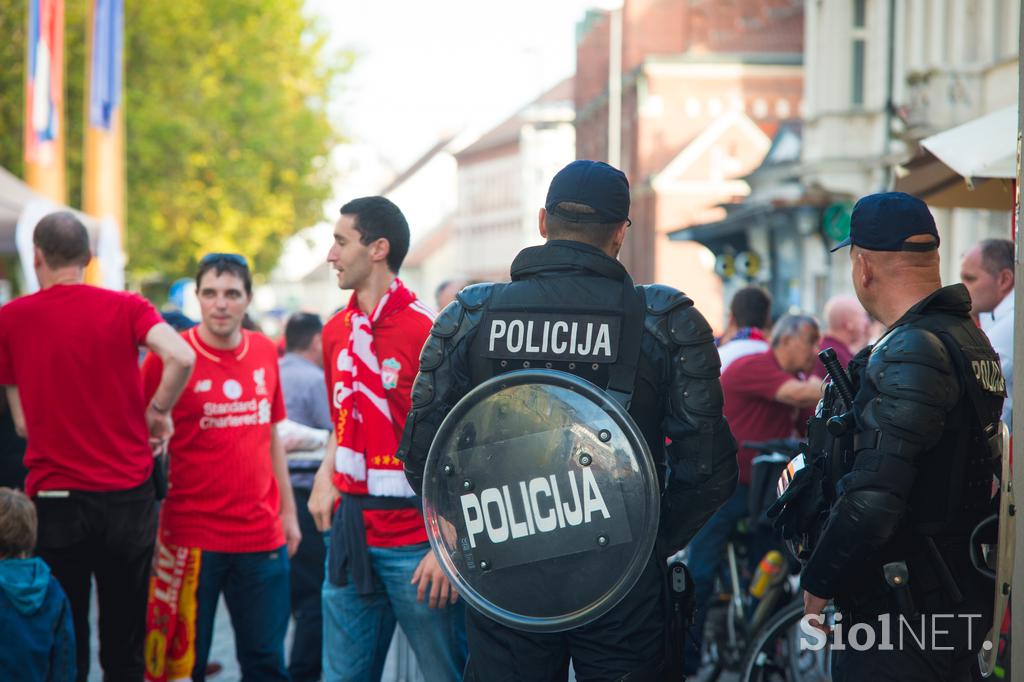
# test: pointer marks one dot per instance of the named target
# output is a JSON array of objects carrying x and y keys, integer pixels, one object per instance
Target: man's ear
[
  {"x": 37, "y": 258},
  {"x": 380, "y": 249},
  {"x": 542, "y": 223},
  {"x": 867, "y": 273},
  {"x": 1005, "y": 280}
]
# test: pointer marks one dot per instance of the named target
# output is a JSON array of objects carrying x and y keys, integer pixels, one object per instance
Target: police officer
[
  {"x": 916, "y": 464},
  {"x": 675, "y": 394}
]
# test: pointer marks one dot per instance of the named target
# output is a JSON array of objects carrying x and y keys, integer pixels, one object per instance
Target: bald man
[
  {"x": 913, "y": 474},
  {"x": 848, "y": 329}
]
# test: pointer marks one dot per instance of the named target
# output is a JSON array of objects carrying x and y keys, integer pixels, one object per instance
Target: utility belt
[{"x": 920, "y": 577}]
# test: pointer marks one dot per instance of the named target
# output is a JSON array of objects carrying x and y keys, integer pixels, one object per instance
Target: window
[{"x": 858, "y": 53}]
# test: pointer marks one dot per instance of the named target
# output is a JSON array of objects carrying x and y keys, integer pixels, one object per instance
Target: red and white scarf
[{"x": 367, "y": 441}]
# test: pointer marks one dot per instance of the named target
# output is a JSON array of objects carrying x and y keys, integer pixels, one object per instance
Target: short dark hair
[
  {"x": 996, "y": 255},
  {"x": 595, "y": 234},
  {"x": 300, "y": 330},
  {"x": 751, "y": 306},
  {"x": 225, "y": 262},
  {"x": 18, "y": 524},
  {"x": 379, "y": 218},
  {"x": 63, "y": 239}
]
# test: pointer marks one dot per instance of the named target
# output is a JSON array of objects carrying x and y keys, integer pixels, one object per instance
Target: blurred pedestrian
[
  {"x": 380, "y": 566},
  {"x": 230, "y": 500},
  {"x": 446, "y": 291},
  {"x": 848, "y": 329},
  {"x": 750, "y": 314},
  {"x": 69, "y": 359},
  {"x": 767, "y": 397},
  {"x": 987, "y": 272},
  {"x": 37, "y": 639},
  {"x": 305, "y": 397}
]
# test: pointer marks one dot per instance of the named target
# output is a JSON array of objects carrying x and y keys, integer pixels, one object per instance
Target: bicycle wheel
[{"x": 774, "y": 654}]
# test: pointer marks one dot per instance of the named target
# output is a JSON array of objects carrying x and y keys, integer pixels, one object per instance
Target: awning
[
  {"x": 15, "y": 195},
  {"x": 970, "y": 166}
]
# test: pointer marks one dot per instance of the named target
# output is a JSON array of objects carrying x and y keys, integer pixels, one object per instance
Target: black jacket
[
  {"x": 928, "y": 397},
  {"x": 677, "y": 394}
]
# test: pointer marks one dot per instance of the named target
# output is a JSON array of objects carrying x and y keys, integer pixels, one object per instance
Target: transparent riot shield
[{"x": 541, "y": 500}]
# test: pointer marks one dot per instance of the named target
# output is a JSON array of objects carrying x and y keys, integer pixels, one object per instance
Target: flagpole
[
  {"x": 103, "y": 181},
  {"x": 44, "y": 161}
]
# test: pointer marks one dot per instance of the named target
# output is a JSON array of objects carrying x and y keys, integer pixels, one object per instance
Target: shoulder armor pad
[
  {"x": 660, "y": 298},
  {"x": 474, "y": 297},
  {"x": 448, "y": 320},
  {"x": 913, "y": 345},
  {"x": 687, "y": 327}
]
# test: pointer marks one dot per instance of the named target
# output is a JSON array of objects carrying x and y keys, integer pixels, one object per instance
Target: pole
[
  {"x": 1017, "y": 594},
  {"x": 615, "y": 88}
]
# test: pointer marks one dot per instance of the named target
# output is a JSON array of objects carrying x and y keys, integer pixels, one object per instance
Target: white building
[
  {"x": 882, "y": 74},
  {"x": 503, "y": 179}
]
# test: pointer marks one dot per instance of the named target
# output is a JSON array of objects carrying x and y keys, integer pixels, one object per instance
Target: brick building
[{"x": 705, "y": 85}]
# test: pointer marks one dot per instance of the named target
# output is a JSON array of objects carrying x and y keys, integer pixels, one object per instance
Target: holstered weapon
[
  {"x": 897, "y": 577},
  {"x": 680, "y": 592}
]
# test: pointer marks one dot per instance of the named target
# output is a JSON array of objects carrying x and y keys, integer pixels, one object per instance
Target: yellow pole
[{"x": 103, "y": 181}]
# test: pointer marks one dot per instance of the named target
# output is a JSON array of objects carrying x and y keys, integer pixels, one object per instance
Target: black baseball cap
[
  {"x": 884, "y": 222},
  {"x": 594, "y": 184}
]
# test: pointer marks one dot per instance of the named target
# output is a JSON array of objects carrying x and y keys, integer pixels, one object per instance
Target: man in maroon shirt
[
  {"x": 767, "y": 396},
  {"x": 69, "y": 361},
  {"x": 849, "y": 328}
]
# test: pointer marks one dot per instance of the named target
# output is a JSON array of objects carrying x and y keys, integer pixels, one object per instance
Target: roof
[
  {"x": 508, "y": 130},
  {"x": 419, "y": 163}
]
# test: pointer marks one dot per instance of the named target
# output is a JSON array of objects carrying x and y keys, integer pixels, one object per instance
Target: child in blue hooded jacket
[{"x": 37, "y": 639}]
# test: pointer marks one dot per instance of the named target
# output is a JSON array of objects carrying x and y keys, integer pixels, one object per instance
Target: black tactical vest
[{"x": 571, "y": 308}]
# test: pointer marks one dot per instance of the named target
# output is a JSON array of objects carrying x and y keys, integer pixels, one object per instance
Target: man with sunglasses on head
[
  {"x": 379, "y": 564},
  {"x": 229, "y": 523},
  {"x": 69, "y": 361}
]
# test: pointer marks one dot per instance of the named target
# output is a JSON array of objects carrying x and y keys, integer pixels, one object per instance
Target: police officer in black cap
[
  {"x": 675, "y": 394},
  {"x": 913, "y": 462}
]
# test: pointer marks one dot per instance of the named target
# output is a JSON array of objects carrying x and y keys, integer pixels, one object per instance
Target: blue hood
[{"x": 25, "y": 582}]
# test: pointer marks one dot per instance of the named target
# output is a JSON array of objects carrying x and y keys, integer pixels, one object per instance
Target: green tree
[{"x": 227, "y": 124}]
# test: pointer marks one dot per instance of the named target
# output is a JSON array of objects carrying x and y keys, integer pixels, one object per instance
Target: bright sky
[{"x": 429, "y": 68}]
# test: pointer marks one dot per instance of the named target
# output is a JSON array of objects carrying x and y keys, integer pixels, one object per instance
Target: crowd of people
[{"x": 287, "y": 479}]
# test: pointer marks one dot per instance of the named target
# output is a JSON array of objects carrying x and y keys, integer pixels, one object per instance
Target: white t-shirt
[
  {"x": 738, "y": 348},
  {"x": 998, "y": 326}
]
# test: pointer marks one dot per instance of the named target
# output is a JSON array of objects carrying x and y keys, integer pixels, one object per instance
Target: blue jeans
[
  {"x": 704, "y": 561},
  {"x": 256, "y": 589},
  {"x": 358, "y": 628}
]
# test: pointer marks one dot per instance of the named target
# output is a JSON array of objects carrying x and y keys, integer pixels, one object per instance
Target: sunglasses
[{"x": 235, "y": 258}]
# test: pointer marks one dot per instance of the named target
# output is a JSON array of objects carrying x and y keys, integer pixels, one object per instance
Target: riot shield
[{"x": 541, "y": 500}]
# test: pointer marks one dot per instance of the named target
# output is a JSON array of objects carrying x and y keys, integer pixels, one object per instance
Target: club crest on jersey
[
  {"x": 389, "y": 370},
  {"x": 232, "y": 389},
  {"x": 259, "y": 377}
]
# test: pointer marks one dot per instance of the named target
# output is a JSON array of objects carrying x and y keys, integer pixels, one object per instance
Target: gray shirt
[{"x": 305, "y": 398}]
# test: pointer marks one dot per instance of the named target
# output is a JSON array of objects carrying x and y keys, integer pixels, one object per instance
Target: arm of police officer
[
  {"x": 702, "y": 455},
  {"x": 178, "y": 359},
  {"x": 442, "y": 380},
  {"x": 324, "y": 494},
  {"x": 915, "y": 385}
]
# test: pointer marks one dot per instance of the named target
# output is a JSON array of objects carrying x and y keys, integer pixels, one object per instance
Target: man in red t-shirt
[
  {"x": 69, "y": 361},
  {"x": 230, "y": 494},
  {"x": 379, "y": 564},
  {"x": 767, "y": 396},
  {"x": 848, "y": 330}
]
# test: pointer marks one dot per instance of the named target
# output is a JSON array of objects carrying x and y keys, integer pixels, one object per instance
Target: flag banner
[
  {"x": 45, "y": 82},
  {"x": 105, "y": 66}
]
